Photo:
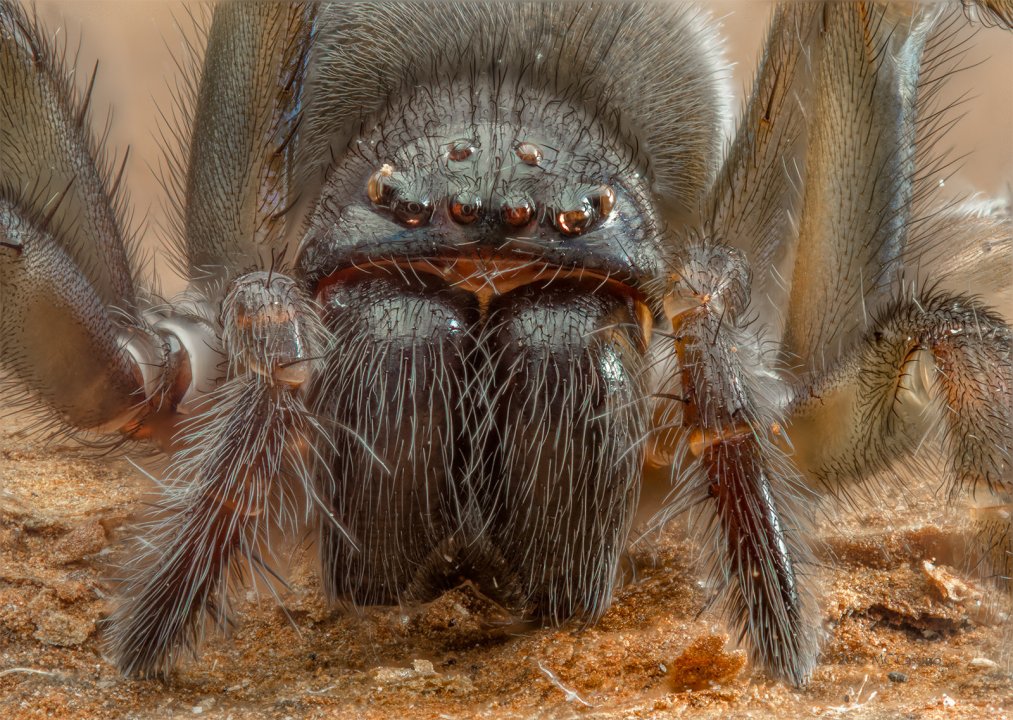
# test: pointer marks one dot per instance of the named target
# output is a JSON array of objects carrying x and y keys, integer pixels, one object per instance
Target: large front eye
[
  {"x": 390, "y": 190},
  {"x": 412, "y": 212},
  {"x": 575, "y": 220},
  {"x": 579, "y": 216},
  {"x": 465, "y": 208},
  {"x": 603, "y": 199},
  {"x": 517, "y": 212}
]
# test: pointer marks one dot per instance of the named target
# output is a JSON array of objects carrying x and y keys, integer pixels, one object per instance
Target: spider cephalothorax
[{"x": 529, "y": 282}]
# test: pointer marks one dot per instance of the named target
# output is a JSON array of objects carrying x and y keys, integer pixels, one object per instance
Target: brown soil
[{"x": 904, "y": 638}]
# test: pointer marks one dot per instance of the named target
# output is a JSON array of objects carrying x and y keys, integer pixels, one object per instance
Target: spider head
[{"x": 471, "y": 172}]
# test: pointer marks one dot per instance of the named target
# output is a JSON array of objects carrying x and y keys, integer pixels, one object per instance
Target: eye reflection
[
  {"x": 576, "y": 220},
  {"x": 413, "y": 213},
  {"x": 529, "y": 153},
  {"x": 465, "y": 208},
  {"x": 379, "y": 188},
  {"x": 517, "y": 212},
  {"x": 603, "y": 200},
  {"x": 460, "y": 150}
]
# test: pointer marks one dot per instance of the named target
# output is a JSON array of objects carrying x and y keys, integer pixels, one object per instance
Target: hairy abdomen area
[{"x": 487, "y": 424}]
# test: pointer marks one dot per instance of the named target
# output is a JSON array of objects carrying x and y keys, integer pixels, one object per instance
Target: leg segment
[
  {"x": 56, "y": 336},
  {"x": 860, "y": 168},
  {"x": 239, "y": 177},
  {"x": 939, "y": 361},
  {"x": 393, "y": 396},
  {"x": 47, "y": 152},
  {"x": 220, "y": 494},
  {"x": 566, "y": 453},
  {"x": 63, "y": 258},
  {"x": 248, "y": 455},
  {"x": 729, "y": 467},
  {"x": 751, "y": 204}
]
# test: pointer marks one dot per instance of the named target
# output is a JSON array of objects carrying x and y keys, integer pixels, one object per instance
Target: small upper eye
[
  {"x": 529, "y": 153},
  {"x": 460, "y": 150}
]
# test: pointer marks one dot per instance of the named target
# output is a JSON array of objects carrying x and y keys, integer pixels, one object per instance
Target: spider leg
[
  {"x": 50, "y": 162},
  {"x": 239, "y": 183},
  {"x": 871, "y": 209},
  {"x": 935, "y": 361},
  {"x": 990, "y": 12},
  {"x": 719, "y": 435},
  {"x": 751, "y": 203},
  {"x": 247, "y": 451},
  {"x": 245, "y": 466},
  {"x": 64, "y": 260},
  {"x": 968, "y": 250},
  {"x": 860, "y": 167},
  {"x": 870, "y": 216},
  {"x": 729, "y": 468},
  {"x": 84, "y": 377}
]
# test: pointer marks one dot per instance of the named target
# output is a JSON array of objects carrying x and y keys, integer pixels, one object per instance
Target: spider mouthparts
[
  {"x": 270, "y": 328},
  {"x": 680, "y": 306}
]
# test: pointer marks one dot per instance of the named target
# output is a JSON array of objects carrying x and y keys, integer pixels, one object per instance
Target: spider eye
[
  {"x": 517, "y": 211},
  {"x": 579, "y": 216},
  {"x": 465, "y": 208},
  {"x": 413, "y": 213},
  {"x": 577, "y": 219},
  {"x": 380, "y": 187},
  {"x": 387, "y": 189},
  {"x": 460, "y": 150},
  {"x": 529, "y": 153},
  {"x": 603, "y": 200}
]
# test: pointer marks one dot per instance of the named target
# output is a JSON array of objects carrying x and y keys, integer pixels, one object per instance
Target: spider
[{"x": 529, "y": 285}]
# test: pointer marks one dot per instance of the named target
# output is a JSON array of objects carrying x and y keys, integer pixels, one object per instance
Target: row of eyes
[{"x": 466, "y": 208}]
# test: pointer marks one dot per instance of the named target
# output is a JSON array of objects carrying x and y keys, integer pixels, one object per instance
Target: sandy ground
[{"x": 903, "y": 639}]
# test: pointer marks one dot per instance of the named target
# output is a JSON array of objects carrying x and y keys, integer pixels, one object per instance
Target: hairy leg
[
  {"x": 859, "y": 173},
  {"x": 938, "y": 361},
  {"x": 247, "y": 460},
  {"x": 729, "y": 471}
]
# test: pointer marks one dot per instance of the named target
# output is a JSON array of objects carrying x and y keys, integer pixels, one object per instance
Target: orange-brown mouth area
[{"x": 487, "y": 278}]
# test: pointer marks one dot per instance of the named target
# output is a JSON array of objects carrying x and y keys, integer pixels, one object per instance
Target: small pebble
[
  {"x": 424, "y": 667},
  {"x": 62, "y": 630},
  {"x": 897, "y": 677},
  {"x": 983, "y": 663}
]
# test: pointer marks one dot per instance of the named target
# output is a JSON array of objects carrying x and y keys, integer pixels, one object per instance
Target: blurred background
[{"x": 136, "y": 41}]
